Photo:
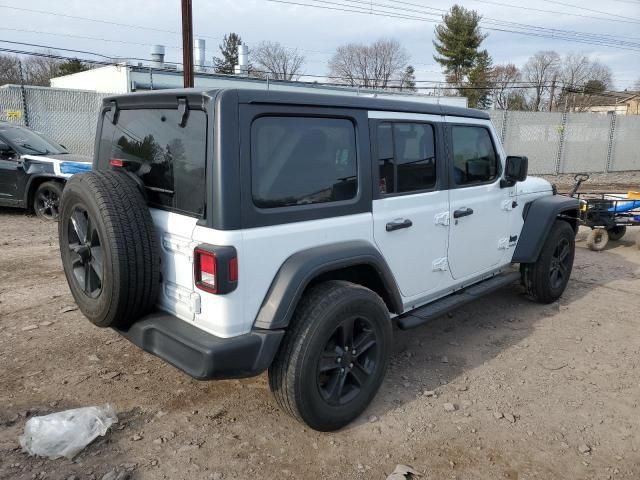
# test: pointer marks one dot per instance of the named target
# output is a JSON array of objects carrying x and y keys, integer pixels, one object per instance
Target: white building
[{"x": 129, "y": 76}]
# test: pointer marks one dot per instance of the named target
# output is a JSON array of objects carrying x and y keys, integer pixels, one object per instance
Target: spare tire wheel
[{"x": 109, "y": 248}]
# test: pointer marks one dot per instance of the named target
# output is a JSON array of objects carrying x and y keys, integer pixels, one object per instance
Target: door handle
[
  {"x": 400, "y": 224},
  {"x": 463, "y": 212}
]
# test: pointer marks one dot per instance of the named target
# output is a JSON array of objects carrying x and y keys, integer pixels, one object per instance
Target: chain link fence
[
  {"x": 571, "y": 142},
  {"x": 554, "y": 142},
  {"x": 69, "y": 117}
]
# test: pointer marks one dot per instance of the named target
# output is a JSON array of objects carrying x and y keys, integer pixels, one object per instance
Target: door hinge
[
  {"x": 508, "y": 205},
  {"x": 440, "y": 264},
  {"x": 442, "y": 219}
]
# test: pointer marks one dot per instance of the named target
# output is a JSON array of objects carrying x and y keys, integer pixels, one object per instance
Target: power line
[
  {"x": 106, "y": 22},
  {"x": 127, "y": 25},
  {"x": 580, "y": 7},
  {"x": 527, "y": 30},
  {"x": 555, "y": 12},
  {"x": 495, "y": 21},
  {"x": 84, "y": 37}
]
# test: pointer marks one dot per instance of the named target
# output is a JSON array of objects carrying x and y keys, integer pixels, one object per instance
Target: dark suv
[{"x": 34, "y": 169}]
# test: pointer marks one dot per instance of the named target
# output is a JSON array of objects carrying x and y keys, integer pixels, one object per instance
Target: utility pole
[
  {"x": 553, "y": 91},
  {"x": 187, "y": 43}
]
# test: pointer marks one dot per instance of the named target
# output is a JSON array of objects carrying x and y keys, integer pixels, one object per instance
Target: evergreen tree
[
  {"x": 71, "y": 66},
  {"x": 480, "y": 82},
  {"x": 408, "y": 81},
  {"x": 458, "y": 39},
  {"x": 229, "y": 51}
]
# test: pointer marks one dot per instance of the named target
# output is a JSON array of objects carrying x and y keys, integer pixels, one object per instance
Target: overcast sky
[{"x": 317, "y": 32}]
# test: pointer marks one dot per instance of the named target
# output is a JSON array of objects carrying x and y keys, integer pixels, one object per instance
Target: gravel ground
[
  {"x": 618, "y": 182},
  {"x": 538, "y": 392}
]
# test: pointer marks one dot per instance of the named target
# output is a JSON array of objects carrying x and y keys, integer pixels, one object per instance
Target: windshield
[{"x": 27, "y": 141}]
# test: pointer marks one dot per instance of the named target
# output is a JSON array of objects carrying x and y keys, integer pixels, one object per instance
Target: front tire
[
  {"x": 46, "y": 200},
  {"x": 546, "y": 279},
  {"x": 334, "y": 356},
  {"x": 597, "y": 239}
]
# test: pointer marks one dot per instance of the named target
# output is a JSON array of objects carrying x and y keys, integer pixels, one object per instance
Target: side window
[
  {"x": 406, "y": 157},
  {"x": 474, "y": 158},
  {"x": 300, "y": 160},
  {"x": 169, "y": 159}
]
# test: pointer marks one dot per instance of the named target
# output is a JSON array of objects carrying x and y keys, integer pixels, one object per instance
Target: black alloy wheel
[
  {"x": 348, "y": 361},
  {"x": 86, "y": 252},
  {"x": 560, "y": 264},
  {"x": 47, "y": 202}
]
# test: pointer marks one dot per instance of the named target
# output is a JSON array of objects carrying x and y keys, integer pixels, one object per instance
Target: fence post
[
  {"x": 563, "y": 128},
  {"x": 612, "y": 132},
  {"x": 23, "y": 93},
  {"x": 503, "y": 131}
]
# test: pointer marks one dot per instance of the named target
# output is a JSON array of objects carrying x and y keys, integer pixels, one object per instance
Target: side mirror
[
  {"x": 516, "y": 170},
  {"x": 5, "y": 150}
]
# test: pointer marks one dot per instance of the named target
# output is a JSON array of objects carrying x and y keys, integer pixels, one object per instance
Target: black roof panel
[{"x": 167, "y": 97}]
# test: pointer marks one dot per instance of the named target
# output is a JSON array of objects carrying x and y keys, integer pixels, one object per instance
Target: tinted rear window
[
  {"x": 298, "y": 161},
  {"x": 170, "y": 159}
]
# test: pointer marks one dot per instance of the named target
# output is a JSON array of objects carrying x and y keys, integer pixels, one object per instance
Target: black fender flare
[
  {"x": 539, "y": 216},
  {"x": 302, "y": 267},
  {"x": 40, "y": 177}
]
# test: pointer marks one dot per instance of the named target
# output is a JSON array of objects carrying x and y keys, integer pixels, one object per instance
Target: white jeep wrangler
[{"x": 233, "y": 231}]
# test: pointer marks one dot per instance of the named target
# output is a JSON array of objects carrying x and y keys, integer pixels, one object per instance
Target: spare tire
[{"x": 109, "y": 248}]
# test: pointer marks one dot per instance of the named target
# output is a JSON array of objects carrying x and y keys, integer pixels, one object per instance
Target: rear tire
[
  {"x": 313, "y": 377},
  {"x": 616, "y": 233},
  {"x": 546, "y": 279},
  {"x": 597, "y": 239},
  {"x": 46, "y": 200},
  {"x": 108, "y": 248}
]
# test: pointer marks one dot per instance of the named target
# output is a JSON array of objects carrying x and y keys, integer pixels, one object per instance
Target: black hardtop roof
[{"x": 198, "y": 95}]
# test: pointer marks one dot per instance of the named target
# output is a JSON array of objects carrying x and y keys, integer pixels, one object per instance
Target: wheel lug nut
[
  {"x": 351, "y": 365},
  {"x": 353, "y": 352},
  {"x": 339, "y": 359},
  {"x": 342, "y": 370}
]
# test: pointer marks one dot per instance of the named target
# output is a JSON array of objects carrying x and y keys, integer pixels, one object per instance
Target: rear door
[
  {"x": 170, "y": 160},
  {"x": 479, "y": 207},
  {"x": 410, "y": 206}
]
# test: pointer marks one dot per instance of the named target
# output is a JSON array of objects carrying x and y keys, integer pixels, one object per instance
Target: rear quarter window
[
  {"x": 302, "y": 160},
  {"x": 170, "y": 159}
]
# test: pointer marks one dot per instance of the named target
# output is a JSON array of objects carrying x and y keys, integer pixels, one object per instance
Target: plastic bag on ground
[{"x": 65, "y": 434}]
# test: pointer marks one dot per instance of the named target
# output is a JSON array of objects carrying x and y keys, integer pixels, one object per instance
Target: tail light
[{"x": 215, "y": 268}]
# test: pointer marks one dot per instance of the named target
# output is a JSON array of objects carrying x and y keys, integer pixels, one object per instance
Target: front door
[
  {"x": 410, "y": 211},
  {"x": 9, "y": 165},
  {"x": 478, "y": 236}
]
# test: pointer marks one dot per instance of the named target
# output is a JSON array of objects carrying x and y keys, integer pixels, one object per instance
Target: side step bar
[{"x": 440, "y": 307}]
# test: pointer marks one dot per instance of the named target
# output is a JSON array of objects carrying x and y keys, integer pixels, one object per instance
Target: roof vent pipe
[
  {"x": 199, "y": 55},
  {"x": 157, "y": 56},
  {"x": 243, "y": 61}
]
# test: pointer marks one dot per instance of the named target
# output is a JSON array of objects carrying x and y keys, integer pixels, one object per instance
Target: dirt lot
[{"x": 533, "y": 386}]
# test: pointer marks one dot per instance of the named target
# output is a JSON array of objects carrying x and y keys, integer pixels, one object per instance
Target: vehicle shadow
[
  {"x": 16, "y": 212},
  {"x": 441, "y": 352}
]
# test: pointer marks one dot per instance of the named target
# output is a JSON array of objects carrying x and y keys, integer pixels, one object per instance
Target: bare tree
[
  {"x": 372, "y": 66},
  {"x": 36, "y": 70},
  {"x": 505, "y": 78},
  {"x": 577, "y": 73},
  {"x": 276, "y": 61},
  {"x": 9, "y": 70},
  {"x": 40, "y": 70},
  {"x": 540, "y": 72}
]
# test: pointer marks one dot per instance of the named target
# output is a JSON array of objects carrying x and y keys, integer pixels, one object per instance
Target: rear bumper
[{"x": 200, "y": 354}]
